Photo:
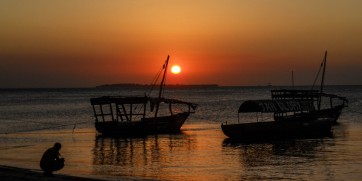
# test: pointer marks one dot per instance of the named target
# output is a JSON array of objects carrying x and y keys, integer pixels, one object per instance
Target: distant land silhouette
[{"x": 133, "y": 85}]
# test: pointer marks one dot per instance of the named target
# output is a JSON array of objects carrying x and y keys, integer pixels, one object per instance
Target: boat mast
[
  {"x": 164, "y": 77},
  {"x": 162, "y": 84},
  {"x": 293, "y": 79},
  {"x": 322, "y": 81}
]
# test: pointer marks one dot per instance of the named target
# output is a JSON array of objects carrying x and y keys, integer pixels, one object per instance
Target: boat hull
[
  {"x": 155, "y": 125},
  {"x": 278, "y": 130}
]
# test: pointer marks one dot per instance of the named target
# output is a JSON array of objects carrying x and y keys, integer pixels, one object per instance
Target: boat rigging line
[
  {"x": 154, "y": 81},
  {"x": 319, "y": 71}
]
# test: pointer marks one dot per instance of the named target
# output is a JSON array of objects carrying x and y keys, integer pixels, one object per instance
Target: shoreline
[
  {"x": 10, "y": 173},
  {"x": 18, "y": 174}
]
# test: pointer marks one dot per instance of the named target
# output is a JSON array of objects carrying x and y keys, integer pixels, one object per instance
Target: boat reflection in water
[
  {"x": 288, "y": 160},
  {"x": 142, "y": 157},
  {"x": 201, "y": 152}
]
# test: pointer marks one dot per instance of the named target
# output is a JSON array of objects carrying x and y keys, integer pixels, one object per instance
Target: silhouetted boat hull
[
  {"x": 292, "y": 119},
  {"x": 331, "y": 115},
  {"x": 278, "y": 130},
  {"x": 331, "y": 109},
  {"x": 157, "y": 125}
]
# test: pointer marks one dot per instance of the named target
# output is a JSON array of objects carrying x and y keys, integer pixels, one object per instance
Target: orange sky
[{"x": 232, "y": 42}]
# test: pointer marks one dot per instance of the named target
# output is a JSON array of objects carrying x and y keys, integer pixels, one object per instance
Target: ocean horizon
[{"x": 140, "y": 85}]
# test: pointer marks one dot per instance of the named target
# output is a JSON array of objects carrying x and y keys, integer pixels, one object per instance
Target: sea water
[{"x": 32, "y": 120}]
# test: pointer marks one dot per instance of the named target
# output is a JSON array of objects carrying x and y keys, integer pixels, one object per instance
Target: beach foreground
[
  {"x": 18, "y": 174},
  {"x": 21, "y": 174}
]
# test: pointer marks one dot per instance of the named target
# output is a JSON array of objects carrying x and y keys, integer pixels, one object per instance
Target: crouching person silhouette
[{"x": 51, "y": 160}]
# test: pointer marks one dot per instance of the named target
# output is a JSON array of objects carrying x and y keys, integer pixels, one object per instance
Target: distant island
[{"x": 133, "y": 85}]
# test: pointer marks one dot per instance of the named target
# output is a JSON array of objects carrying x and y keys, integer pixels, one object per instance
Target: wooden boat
[
  {"x": 325, "y": 105},
  {"x": 295, "y": 114},
  {"x": 134, "y": 116},
  {"x": 278, "y": 119}
]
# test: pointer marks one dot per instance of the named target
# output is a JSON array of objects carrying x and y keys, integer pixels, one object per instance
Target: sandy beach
[
  {"x": 18, "y": 174},
  {"x": 22, "y": 174}
]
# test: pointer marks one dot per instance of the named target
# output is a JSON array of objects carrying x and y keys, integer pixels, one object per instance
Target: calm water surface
[{"x": 32, "y": 120}]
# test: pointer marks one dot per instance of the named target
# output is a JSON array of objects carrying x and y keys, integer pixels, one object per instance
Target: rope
[
  {"x": 154, "y": 81},
  {"x": 39, "y": 129}
]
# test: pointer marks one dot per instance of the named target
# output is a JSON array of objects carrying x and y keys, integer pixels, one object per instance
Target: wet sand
[
  {"x": 22, "y": 174},
  {"x": 18, "y": 174}
]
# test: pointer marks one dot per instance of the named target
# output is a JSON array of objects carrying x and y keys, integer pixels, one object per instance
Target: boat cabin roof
[
  {"x": 118, "y": 100},
  {"x": 294, "y": 94},
  {"x": 276, "y": 106},
  {"x": 136, "y": 100}
]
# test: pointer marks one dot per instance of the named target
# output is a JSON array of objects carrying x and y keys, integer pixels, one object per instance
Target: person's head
[{"x": 57, "y": 146}]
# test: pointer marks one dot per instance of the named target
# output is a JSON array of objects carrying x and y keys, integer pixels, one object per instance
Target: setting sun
[{"x": 176, "y": 69}]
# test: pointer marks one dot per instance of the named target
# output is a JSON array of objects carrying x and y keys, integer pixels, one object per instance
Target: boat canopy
[
  {"x": 276, "y": 106},
  {"x": 118, "y": 100},
  {"x": 137, "y": 100},
  {"x": 175, "y": 101},
  {"x": 294, "y": 94}
]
